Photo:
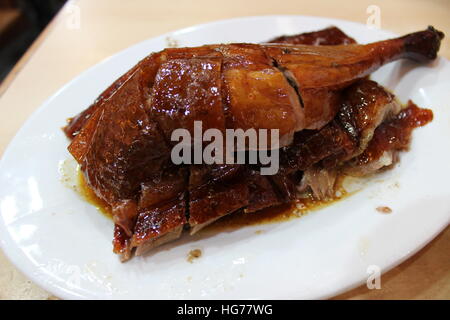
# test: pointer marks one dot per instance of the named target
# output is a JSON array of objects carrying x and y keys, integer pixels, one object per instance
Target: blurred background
[{"x": 21, "y": 21}]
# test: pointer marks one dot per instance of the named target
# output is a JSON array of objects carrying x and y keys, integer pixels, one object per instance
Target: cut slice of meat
[
  {"x": 381, "y": 152},
  {"x": 188, "y": 90},
  {"x": 364, "y": 106},
  {"x": 122, "y": 243},
  {"x": 161, "y": 212},
  {"x": 217, "y": 197},
  {"x": 146, "y": 68},
  {"x": 285, "y": 185},
  {"x": 330, "y": 140},
  {"x": 262, "y": 193},
  {"x": 257, "y": 95},
  {"x": 389, "y": 138},
  {"x": 119, "y": 156},
  {"x": 203, "y": 174},
  {"x": 386, "y": 159},
  {"x": 170, "y": 183},
  {"x": 159, "y": 224}
]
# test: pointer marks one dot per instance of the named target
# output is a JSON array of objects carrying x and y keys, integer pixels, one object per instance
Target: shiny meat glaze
[
  {"x": 122, "y": 141},
  {"x": 329, "y": 36},
  {"x": 390, "y": 137}
]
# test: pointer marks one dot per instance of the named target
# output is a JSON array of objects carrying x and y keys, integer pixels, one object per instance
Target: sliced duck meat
[
  {"x": 305, "y": 151},
  {"x": 150, "y": 65},
  {"x": 211, "y": 199},
  {"x": 364, "y": 106},
  {"x": 381, "y": 151},
  {"x": 159, "y": 224},
  {"x": 170, "y": 183},
  {"x": 328, "y": 115},
  {"x": 188, "y": 90},
  {"x": 262, "y": 193},
  {"x": 389, "y": 138},
  {"x": 122, "y": 243},
  {"x": 320, "y": 181},
  {"x": 257, "y": 95},
  {"x": 161, "y": 207},
  {"x": 285, "y": 185},
  {"x": 146, "y": 69},
  {"x": 124, "y": 149}
]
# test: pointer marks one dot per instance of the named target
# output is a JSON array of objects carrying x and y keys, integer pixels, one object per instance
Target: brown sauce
[
  {"x": 89, "y": 195},
  {"x": 194, "y": 254},
  {"x": 237, "y": 219},
  {"x": 384, "y": 209},
  {"x": 280, "y": 213}
]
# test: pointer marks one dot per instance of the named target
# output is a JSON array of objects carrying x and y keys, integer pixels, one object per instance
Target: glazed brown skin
[
  {"x": 188, "y": 87},
  {"x": 316, "y": 70},
  {"x": 331, "y": 36},
  {"x": 218, "y": 197},
  {"x": 261, "y": 191},
  {"x": 275, "y": 86},
  {"x": 394, "y": 134},
  {"x": 328, "y": 36},
  {"x": 369, "y": 124},
  {"x": 363, "y": 107},
  {"x": 157, "y": 221},
  {"x": 321, "y": 71}
]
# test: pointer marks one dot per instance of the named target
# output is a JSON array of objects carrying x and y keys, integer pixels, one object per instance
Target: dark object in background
[{"x": 21, "y": 21}]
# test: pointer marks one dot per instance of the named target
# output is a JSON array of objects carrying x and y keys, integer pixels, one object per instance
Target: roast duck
[{"x": 313, "y": 87}]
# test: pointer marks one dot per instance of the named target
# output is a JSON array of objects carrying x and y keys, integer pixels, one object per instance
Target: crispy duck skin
[
  {"x": 313, "y": 69},
  {"x": 211, "y": 199},
  {"x": 262, "y": 191},
  {"x": 331, "y": 36},
  {"x": 390, "y": 137},
  {"x": 328, "y": 36},
  {"x": 122, "y": 141},
  {"x": 377, "y": 139},
  {"x": 363, "y": 106},
  {"x": 381, "y": 152},
  {"x": 225, "y": 86}
]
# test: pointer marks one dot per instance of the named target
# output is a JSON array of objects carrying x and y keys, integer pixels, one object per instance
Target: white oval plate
[{"x": 64, "y": 244}]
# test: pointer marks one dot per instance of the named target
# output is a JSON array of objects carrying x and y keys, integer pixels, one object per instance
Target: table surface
[{"x": 107, "y": 26}]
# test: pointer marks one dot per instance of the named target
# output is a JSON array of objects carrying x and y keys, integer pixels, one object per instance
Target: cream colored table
[{"x": 87, "y": 31}]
